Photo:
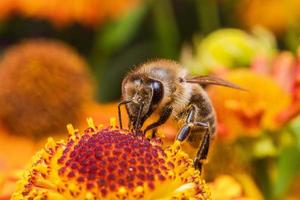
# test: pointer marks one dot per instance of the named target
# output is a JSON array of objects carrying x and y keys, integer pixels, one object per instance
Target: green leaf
[
  {"x": 288, "y": 166},
  {"x": 118, "y": 33},
  {"x": 208, "y": 15},
  {"x": 166, "y": 29},
  {"x": 295, "y": 128},
  {"x": 262, "y": 176},
  {"x": 264, "y": 147}
]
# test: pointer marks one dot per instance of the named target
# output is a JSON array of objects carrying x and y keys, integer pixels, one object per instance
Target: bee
[{"x": 165, "y": 87}]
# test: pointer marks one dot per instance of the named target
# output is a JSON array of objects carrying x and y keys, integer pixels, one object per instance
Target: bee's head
[{"x": 144, "y": 95}]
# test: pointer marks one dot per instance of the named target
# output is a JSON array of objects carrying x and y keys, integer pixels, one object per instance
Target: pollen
[
  {"x": 90, "y": 122},
  {"x": 113, "y": 122},
  {"x": 109, "y": 163},
  {"x": 71, "y": 129}
]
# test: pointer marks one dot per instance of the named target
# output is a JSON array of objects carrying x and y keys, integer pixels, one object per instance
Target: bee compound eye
[
  {"x": 156, "y": 85},
  {"x": 157, "y": 91}
]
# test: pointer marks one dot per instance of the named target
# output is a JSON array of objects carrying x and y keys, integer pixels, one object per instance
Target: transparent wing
[{"x": 212, "y": 80}]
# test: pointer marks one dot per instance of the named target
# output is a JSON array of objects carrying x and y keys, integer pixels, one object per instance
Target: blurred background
[{"x": 62, "y": 61}]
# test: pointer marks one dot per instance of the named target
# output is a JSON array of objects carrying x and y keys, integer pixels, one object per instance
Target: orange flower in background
[
  {"x": 277, "y": 15},
  {"x": 285, "y": 70},
  {"x": 108, "y": 163},
  {"x": 294, "y": 108},
  {"x": 245, "y": 113},
  {"x": 87, "y": 12},
  {"x": 6, "y": 8},
  {"x": 45, "y": 85},
  {"x": 226, "y": 187}
]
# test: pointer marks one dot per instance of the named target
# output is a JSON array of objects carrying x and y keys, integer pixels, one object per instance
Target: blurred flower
[
  {"x": 88, "y": 12},
  {"x": 6, "y": 8},
  {"x": 276, "y": 15},
  {"x": 246, "y": 113},
  {"x": 108, "y": 163},
  {"x": 294, "y": 109},
  {"x": 45, "y": 84},
  {"x": 14, "y": 151},
  {"x": 8, "y": 181},
  {"x": 226, "y": 187},
  {"x": 228, "y": 48},
  {"x": 285, "y": 70}
]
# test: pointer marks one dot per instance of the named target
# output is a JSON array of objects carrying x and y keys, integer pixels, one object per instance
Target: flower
[
  {"x": 284, "y": 69},
  {"x": 228, "y": 48},
  {"x": 245, "y": 113},
  {"x": 6, "y": 8},
  {"x": 225, "y": 187},
  {"x": 275, "y": 15},
  {"x": 109, "y": 163},
  {"x": 43, "y": 81},
  {"x": 61, "y": 13}
]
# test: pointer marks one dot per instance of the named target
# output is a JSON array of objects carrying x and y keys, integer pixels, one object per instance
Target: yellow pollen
[
  {"x": 171, "y": 174},
  {"x": 113, "y": 122},
  {"x": 138, "y": 190},
  {"x": 90, "y": 122},
  {"x": 71, "y": 129},
  {"x": 89, "y": 196},
  {"x": 72, "y": 187},
  {"x": 50, "y": 143},
  {"x": 58, "y": 183},
  {"x": 100, "y": 126},
  {"x": 185, "y": 187},
  {"x": 42, "y": 168},
  {"x": 176, "y": 145},
  {"x": 190, "y": 170},
  {"x": 160, "y": 134},
  {"x": 39, "y": 182},
  {"x": 122, "y": 190}
]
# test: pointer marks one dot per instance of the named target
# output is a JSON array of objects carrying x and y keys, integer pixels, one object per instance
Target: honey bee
[{"x": 164, "y": 87}]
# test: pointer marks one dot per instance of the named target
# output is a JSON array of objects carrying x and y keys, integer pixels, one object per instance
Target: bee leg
[
  {"x": 203, "y": 151},
  {"x": 154, "y": 131},
  {"x": 186, "y": 128},
  {"x": 138, "y": 119},
  {"x": 119, "y": 111},
  {"x": 164, "y": 116}
]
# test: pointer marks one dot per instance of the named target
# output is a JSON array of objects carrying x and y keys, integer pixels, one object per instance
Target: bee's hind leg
[
  {"x": 185, "y": 130},
  {"x": 203, "y": 151}
]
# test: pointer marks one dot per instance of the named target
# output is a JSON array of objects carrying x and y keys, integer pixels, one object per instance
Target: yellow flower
[
  {"x": 245, "y": 113},
  {"x": 228, "y": 48},
  {"x": 277, "y": 15},
  {"x": 226, "y": 187},
  {"x": 42, "y": 82},
  {"x": 108, "y": 163}
]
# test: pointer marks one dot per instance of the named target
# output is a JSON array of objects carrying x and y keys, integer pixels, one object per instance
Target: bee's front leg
[
  {"x": 124, "y": 102},
  {"x": 164, "y": 116}
]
